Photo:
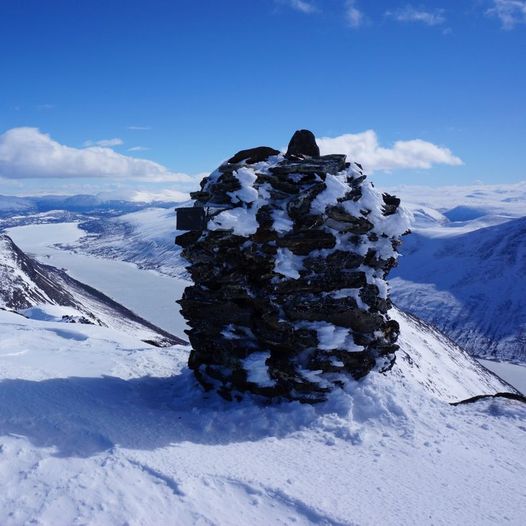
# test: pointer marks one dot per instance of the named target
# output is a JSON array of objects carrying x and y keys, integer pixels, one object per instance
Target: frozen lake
[{"x": 146, "y": 292}]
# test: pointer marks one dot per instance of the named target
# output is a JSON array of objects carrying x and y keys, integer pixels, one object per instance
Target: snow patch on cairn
[{"x": 290, "y": 297}]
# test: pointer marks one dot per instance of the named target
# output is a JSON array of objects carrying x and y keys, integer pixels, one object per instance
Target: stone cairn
[{"x": 289, "y": 296}]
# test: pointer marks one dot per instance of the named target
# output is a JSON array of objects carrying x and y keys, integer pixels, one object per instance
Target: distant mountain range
[
  {"x": 44, "y": 292},
  {"x": 81, "y": 203}
]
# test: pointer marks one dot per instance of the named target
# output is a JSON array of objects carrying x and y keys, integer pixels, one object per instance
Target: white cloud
[
  {"x": 139, "y": 128},
  {"x": 138, "y": 149},
  {"x": 430, "y": 17},
  {"x": 365, "y": 149},
  {"x": 510, "y": 12},
  {"x": 355, "y": 17},
  {"x": 144, "y": 196},
  {"x": 28, "y": 153},
  {"x": 105, "y": 143}
]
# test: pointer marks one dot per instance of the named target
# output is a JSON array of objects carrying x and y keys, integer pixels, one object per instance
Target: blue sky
[{"x": 185, "y": 84}]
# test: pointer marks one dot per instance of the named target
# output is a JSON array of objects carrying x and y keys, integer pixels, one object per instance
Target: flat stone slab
[{"x": 326, "y": 164}]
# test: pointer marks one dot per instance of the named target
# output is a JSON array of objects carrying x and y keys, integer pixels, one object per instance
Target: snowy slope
[
  {"x": 97, "y": 429},
  {"x": 427, "y": 357},
  {"x": 469, "y": 282},
  {"x": 30, "y": 287},
  {"x": 146, "y": 238}
]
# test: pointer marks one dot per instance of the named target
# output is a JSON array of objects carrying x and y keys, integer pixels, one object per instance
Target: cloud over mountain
[
  {"x": 28, "y": 153},
  {"x": 364, "y": 148}
]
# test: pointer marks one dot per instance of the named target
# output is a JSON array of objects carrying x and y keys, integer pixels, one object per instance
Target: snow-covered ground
[
  {"x": 146, "y": 292},
  {"x": 96, "y": 428}
]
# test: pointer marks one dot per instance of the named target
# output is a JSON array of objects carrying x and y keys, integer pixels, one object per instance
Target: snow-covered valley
[
  {"x": 146, "y": 292},
  {"x": 463, "y": 269}
]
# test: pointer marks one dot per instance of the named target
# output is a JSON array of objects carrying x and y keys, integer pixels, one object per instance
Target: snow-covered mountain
[
  {"x": 469, "y": 282},
  {"x": 43, "y": 291},
  {"x": 430, "y": 359},
  {"x": 96, "y": 428},
  {"x": 145, "y": 238}
]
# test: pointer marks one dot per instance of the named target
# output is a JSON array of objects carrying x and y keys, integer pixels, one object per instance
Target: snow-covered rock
[{"x": 290, "y": 264}]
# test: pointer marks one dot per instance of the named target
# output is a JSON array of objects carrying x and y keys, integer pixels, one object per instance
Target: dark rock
[
  {"x": 264, "y": 217},
  {"x": 299, "y": 206},
  {"x": 253, "y": 155},
  {"x": 338, "y": 261},
  {"x": 303, "y": 242},
  {"x": 358, "y": 364},
  {"x": 342, "y": 312},
  {"x": 345, "y": 222},
  {"x": 188, "y": 238},
  {"x": 303, "y": 142},
  {"x": 325, "y": 282},
  {"x": 281, "y": 185},
  {"x": 391, "y": 204},
  {"x": 369, "y": 295},
  {"x": 328, "y": 164},
  {"x": 201, "y": 196}
]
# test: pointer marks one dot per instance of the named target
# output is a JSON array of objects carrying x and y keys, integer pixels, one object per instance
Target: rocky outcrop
[{"x": 289, "y": 296}]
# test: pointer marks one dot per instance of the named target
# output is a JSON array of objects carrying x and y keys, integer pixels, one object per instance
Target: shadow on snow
[{"x": 84, "y": 416}]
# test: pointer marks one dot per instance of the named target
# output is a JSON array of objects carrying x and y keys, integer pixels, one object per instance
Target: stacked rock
[{"x": 289, "y": 295}]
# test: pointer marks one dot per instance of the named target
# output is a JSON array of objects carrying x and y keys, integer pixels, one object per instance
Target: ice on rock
[
  {"x": 287, "y": 264},
  {"x": 257, "y": 371},
  {"x": 242, "y": 221},
  {"x": 247, "y": 193}
]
